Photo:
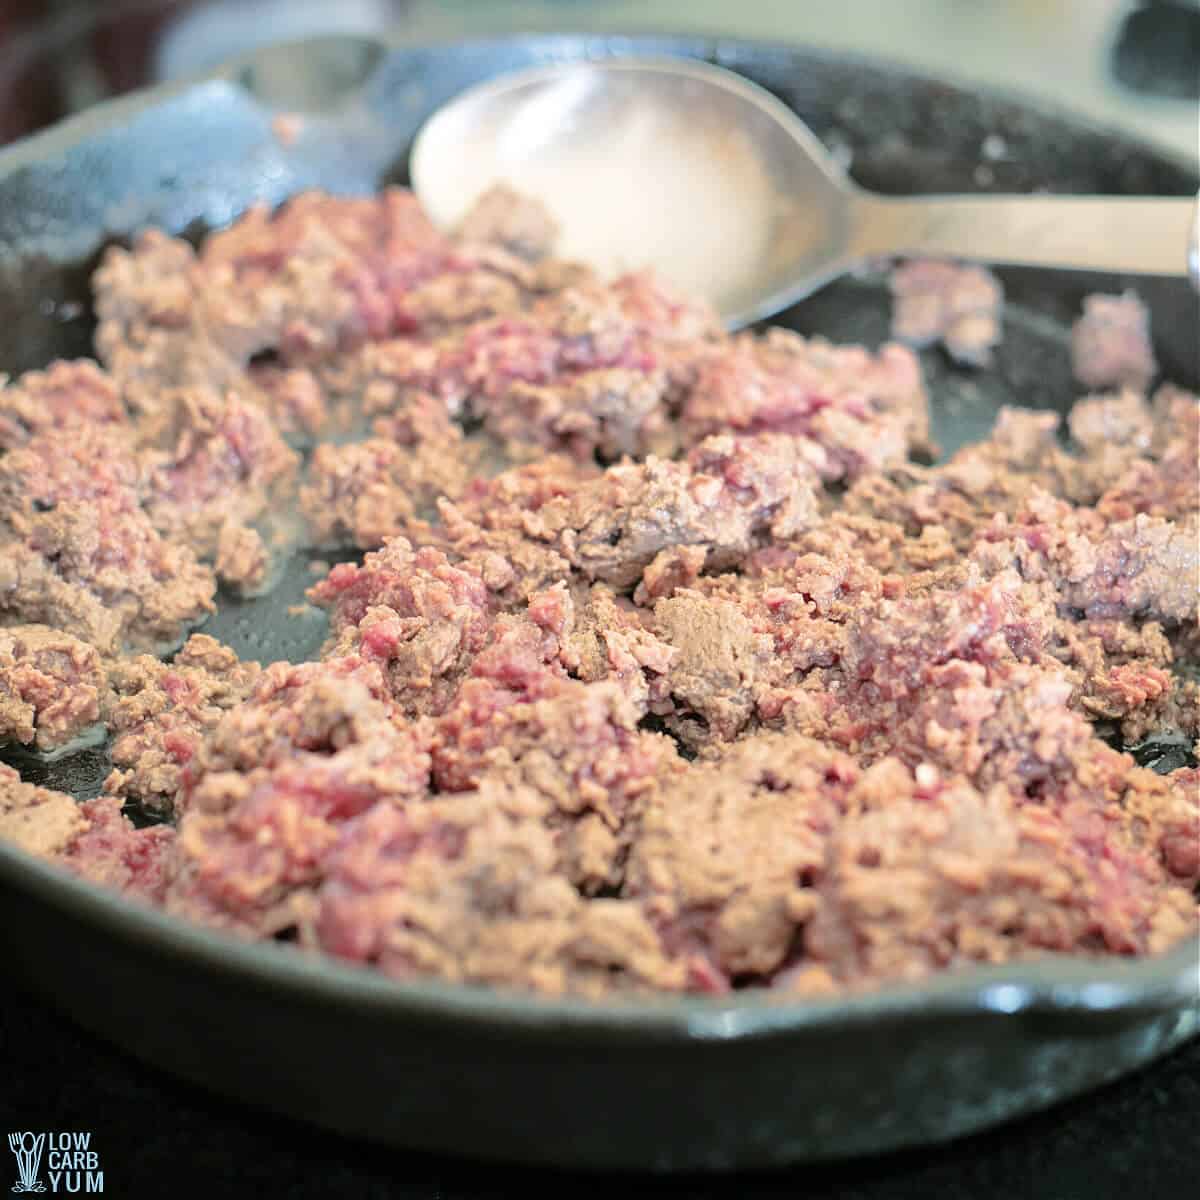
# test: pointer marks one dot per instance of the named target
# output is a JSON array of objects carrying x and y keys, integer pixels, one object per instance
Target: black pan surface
[{"x": 674, "y": 1084}]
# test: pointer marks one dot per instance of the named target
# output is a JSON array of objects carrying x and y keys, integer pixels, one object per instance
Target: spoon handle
[{"x": 1127, "y": 234}]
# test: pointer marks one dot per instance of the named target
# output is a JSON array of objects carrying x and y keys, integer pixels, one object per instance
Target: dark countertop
[{"x": 1135, "y": 1139}]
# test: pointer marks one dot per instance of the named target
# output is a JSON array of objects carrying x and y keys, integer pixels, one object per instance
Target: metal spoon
[{"x": 690, "y": 168}]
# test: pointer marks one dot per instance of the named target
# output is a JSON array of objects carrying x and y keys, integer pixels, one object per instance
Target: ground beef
[
  {"x": 112, "y": 852},
  {"x": 955, "y": 676},
  {"x": 328, "y": 707},
  {"x": 244, "y": 560},
  {"x": 199, "y": 469},
  {"x": 318, "y": 274},
  {"x": 711, "y": 676},
  {"x": 293, "y": 397},
  {"x": 952, "y": 506},
  {"x": 957, "y": 304},
  {"x": 414, "y": 614},
  {"x": 313, "y": 747},
  {"x": 467, "y": 888},
  {"x": 53, "y": 688},
  {"x": 40, "y": 821},
  {"x": 1143, "y": 568},
  {"x": 494, "y": 527},
  {"x": 1122, "y": 420},
  {"x": 853, "y": 411},
  {"x": 723, "y": 497},
  {"x": 728, "y": 491},
  {"x": 162, "y": 713},
  {"x": 362, "y": 493},
  {"x": 608, "y": 412},
  {"x": 79, "y": 552},
  {"x": 93, "y": 839},
  {"x": 586, "y": 369},
  {"x": 667, "y": 668},
  {"x": 771, "y": 801},
  {"x": 1166, "y": 483},
  {"x": 1110, "y": 343},
  {"x": 521, "y": 224},
  {"x": 97, "y": 569},
  {"x": 578, "y": 743},
  {"x": 926, "y": 873},
  {"x": 224, "y": 468},
  {"x": 300, "y": 287},
  {"x": 1123, "y": 674},
  {"x": 65, "y": 395},
  {"x": 358, "y": 494},
  {"x": 951, "y": 503}
]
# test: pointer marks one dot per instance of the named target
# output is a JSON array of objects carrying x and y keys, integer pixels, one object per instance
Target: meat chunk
[
  {"x": 494, "y": 527},
  {"x": 1110, "y": 343},
  {"x": 728, "y": 491},
  {"x": 37, "y": 820},
  {"x": 584, "y": 369},
  {"x": 957, "y": 677},
  {"x": 53, "y": 688},
  {"x": 79, "y": 553},
  {"x": 957, "y": 304},
  {"x": 592, "y": 633},
  {"x": 576, "y": 743},
  {"x": 517, "y": 222},
  {"x": 93, "y": 839},
  {"x": 1167, "y": 484},
  {"x": 293, "y": 398},
  {"x": 528, "y": 529},
  {"x": 98, "y": 570},
  {"x": 243, "y": 559},
  {"x": 421, "y": 619},
  {"x": 163, "y": 712},
  {"x": 770, "y": 801},
  {"x": 363, "y": 493},
  {"x": 609, "y": 412},
  {"x": 926, "y": 874},
  {"x": 466, "y": 888},
  {"x": 263, "y": 802},
  {"x": 64, "y": 396},
  {"x": 359, "y": 494},
  {"x": 1122, "y": 672},
  {"x": 1146, "y": 567},
  {"x": 712, "y": 675},
  {"x": 319, "y": 273},
  {"x": 612, "y": 526},
  {"x": 201, "y": 470},
  {"x": 112, "y": 852},
  {"x": 223, "y": 468},
  {"x": 854, "y": 411},
  {"x": 1117, "y": 419}
]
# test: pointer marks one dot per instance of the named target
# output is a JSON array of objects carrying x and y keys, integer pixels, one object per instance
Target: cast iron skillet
[{"x": 677, "y": 1083}]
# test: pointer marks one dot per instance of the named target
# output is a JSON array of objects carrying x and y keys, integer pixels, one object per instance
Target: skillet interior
[{"x": 955, "y": 1055}]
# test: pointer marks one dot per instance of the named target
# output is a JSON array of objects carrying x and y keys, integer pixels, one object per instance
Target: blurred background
[{"x": 1131, "y": 64}]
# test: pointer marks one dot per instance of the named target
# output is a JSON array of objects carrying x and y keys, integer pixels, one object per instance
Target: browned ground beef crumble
[
  {"x": 667, "y": 667},
  {"x": 1110, "y": 343},
  {"x": 956, "y": 304}
]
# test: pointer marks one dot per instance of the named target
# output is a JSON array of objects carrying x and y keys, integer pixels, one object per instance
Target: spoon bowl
[
  {"x": 694, "y": 171},
  {"x": 672, "y": 164}
]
